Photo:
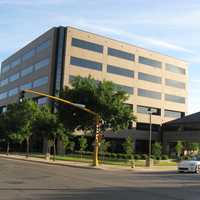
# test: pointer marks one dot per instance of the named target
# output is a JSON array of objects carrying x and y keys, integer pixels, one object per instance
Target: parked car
[{"x": 192, "y": 165}]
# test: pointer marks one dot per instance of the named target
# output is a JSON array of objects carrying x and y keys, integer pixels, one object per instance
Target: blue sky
[{"x": 171, "y": 27}]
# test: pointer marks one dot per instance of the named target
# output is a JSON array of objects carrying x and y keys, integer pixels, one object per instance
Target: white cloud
[{"x": 125, "y": 34}]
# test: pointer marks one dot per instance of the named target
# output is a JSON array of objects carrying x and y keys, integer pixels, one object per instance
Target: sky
[{"x": 170, "y": 27}]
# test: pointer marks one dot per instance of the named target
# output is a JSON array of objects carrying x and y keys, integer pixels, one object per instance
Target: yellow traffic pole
[{"x": 96, "y": 143}]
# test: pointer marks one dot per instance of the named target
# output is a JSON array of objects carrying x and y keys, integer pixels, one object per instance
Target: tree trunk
[
  {"x": 54, "y": 149},
  {"x": 8, "y": 148},
  {"x": 27, "y": 147}
]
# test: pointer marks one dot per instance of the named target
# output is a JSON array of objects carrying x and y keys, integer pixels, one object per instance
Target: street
[{"x": 22, "y": 180}]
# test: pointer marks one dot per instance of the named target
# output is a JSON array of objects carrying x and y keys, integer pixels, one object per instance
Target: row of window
[
  {"x": 28, "y": 55},
  {"x": 26, "y": 71},
  {"x": 147, "y": 93},
  {"x": 125, "y": 55},
  {"x": 157, "y": 111},
  {"x": 37, "y": 83},
  {"x": 124, "y": 72}
]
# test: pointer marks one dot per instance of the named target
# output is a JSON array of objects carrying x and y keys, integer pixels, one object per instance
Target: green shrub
[
  {"x": 137, "y": 157},
  {"x": 114, "y": 155},
  {"x": 144, "y": 156},
  {"x": 165, "y": 157},
  {"x": 153, "y": 157},
  {"x": 158, "y": 157}
]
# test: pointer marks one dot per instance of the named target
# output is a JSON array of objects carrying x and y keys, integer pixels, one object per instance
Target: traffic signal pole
[{"x": 97, "y": 120}]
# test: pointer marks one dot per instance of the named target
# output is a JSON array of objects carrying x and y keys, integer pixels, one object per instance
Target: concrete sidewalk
[{"x": 87, "y": 165}]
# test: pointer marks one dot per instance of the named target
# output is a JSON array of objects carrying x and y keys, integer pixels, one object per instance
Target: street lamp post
[{"x": 150, "y": 112}]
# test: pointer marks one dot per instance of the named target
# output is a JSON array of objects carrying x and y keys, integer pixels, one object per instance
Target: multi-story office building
[{"x": 52, "y": 60}]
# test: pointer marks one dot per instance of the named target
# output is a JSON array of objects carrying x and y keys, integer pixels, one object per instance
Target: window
[
  {"x": 173, "y": 114},
  {"x": 87, "y": 45},
  {"x": 42, "y": 64},
  {"x": 43, "y": 46},
  {"x": 174, "y": 98},
  {"x": 120, "y": 71},
  {"x": 27, "y": 71},
  {"x": 149, "y": 94},
  {"x": 174, "y": 69},
  {"x": 125, "y": 88},
  {"x": 28, "y": 55},
  {"x": 26, "y": 86},
  {"x": 5, "y": 68},
  {"x": 145, "y": 109},
  {"x": 121, "y": 54},
  {"x": 150, "y": 62},
  {"x": 14, "y": 77},
  {"x": 146, "y": 126},
  {"x": 40, "y": 82},
  {"x": 15, "y": 63},
  {"x": 148, "y": 77},
  {"x": 174, "y": 83},
  {"x": 86, "y": 63},
  {"x": 3, "y": 95},
  {"x": 13, "y": 92},
  {"x": 4, "y": 82}
]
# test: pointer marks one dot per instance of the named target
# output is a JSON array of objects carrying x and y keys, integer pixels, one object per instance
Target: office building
[{"x": 51, "y": 61}]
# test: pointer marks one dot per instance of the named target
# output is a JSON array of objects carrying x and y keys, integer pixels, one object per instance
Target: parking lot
[{"x": 21, "y": 180}]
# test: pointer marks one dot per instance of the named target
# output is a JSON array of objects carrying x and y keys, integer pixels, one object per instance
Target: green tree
[
  {"x": 82, "y": 144},
  {"x": 128, "y": 146},
  {"x": 157, "y": 150},
  {"x": 103, "y": 148},
  {"x": 105, "y": 98},
  {"x": 179, "y": 148},
  {"x": 48, "y": 126}
]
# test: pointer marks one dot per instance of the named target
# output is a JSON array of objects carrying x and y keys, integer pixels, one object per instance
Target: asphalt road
[{"x": 21, "y": 180}]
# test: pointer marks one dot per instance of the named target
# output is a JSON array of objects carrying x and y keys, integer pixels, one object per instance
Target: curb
[{"x": 49, "y": 162}]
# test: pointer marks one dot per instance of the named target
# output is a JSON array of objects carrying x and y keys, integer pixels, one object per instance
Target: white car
[{"x": 192, "y": 165}]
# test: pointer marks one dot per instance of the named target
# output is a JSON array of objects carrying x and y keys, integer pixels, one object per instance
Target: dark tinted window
[
  {"x": 13, "y": 92},
  {"x": 3, "y": 95},
  {"x": 174, "y": 69},
  {"x": 27, "y": 71},
  {"x": 149, "y": 94},
  {"x": 148, "y": 77},
  {"x": 174, "y": 83},
  {"x": 86, "y": 63},
  {"x": 4, "y": 82},
  {"x": 28, "y": 55},
  {"x": 120, "y": 71},
  {"x": 150, "y": 62},
  {"x": 87, "y": 45},
  {"x": 15, "y": 63},
  {"x": 14, "y": 77},
  {"x": 145, "y": 109},
  {"x": 174, "y": 98},
  {"x": 121, "y": 54},
  {"x": 41, "y": 64},
  {"x": 42, "y": 46},
  {"x": 5, "y": 68},
  {"x": 173, "y": 114},
  {"x": 40, "y": 82},
  {"x": 125, "y": 88},
  {"x": 146, "y": 126},
  {"x": 26, "y": 86}
]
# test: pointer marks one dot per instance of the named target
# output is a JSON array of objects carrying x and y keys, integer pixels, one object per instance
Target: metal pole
[
  {"x": 96, "y": 143},
  {"x": 150, "y": 131}
]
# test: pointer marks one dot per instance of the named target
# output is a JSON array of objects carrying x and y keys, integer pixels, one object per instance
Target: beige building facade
[{"x": 153, "y": 81}]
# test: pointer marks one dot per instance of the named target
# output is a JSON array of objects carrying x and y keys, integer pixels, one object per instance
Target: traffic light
[{"x": 21, "y": 96}]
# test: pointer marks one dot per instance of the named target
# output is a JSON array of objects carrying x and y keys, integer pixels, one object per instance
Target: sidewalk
[{"x": 88, "y": 165}]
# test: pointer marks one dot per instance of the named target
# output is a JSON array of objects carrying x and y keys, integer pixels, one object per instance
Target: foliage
[
  {"x": 179, "y": 148},
  {"x": 104, "y": 145},
  {"x": 82, "y": 144},
  {"x": 104, "y": 98},
  {"x": 157, "y": 149},
  {"x": 128, "y": 146}
]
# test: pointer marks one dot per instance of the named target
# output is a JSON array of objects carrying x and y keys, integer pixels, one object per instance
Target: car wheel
[{"x": 198, "y": 169}]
